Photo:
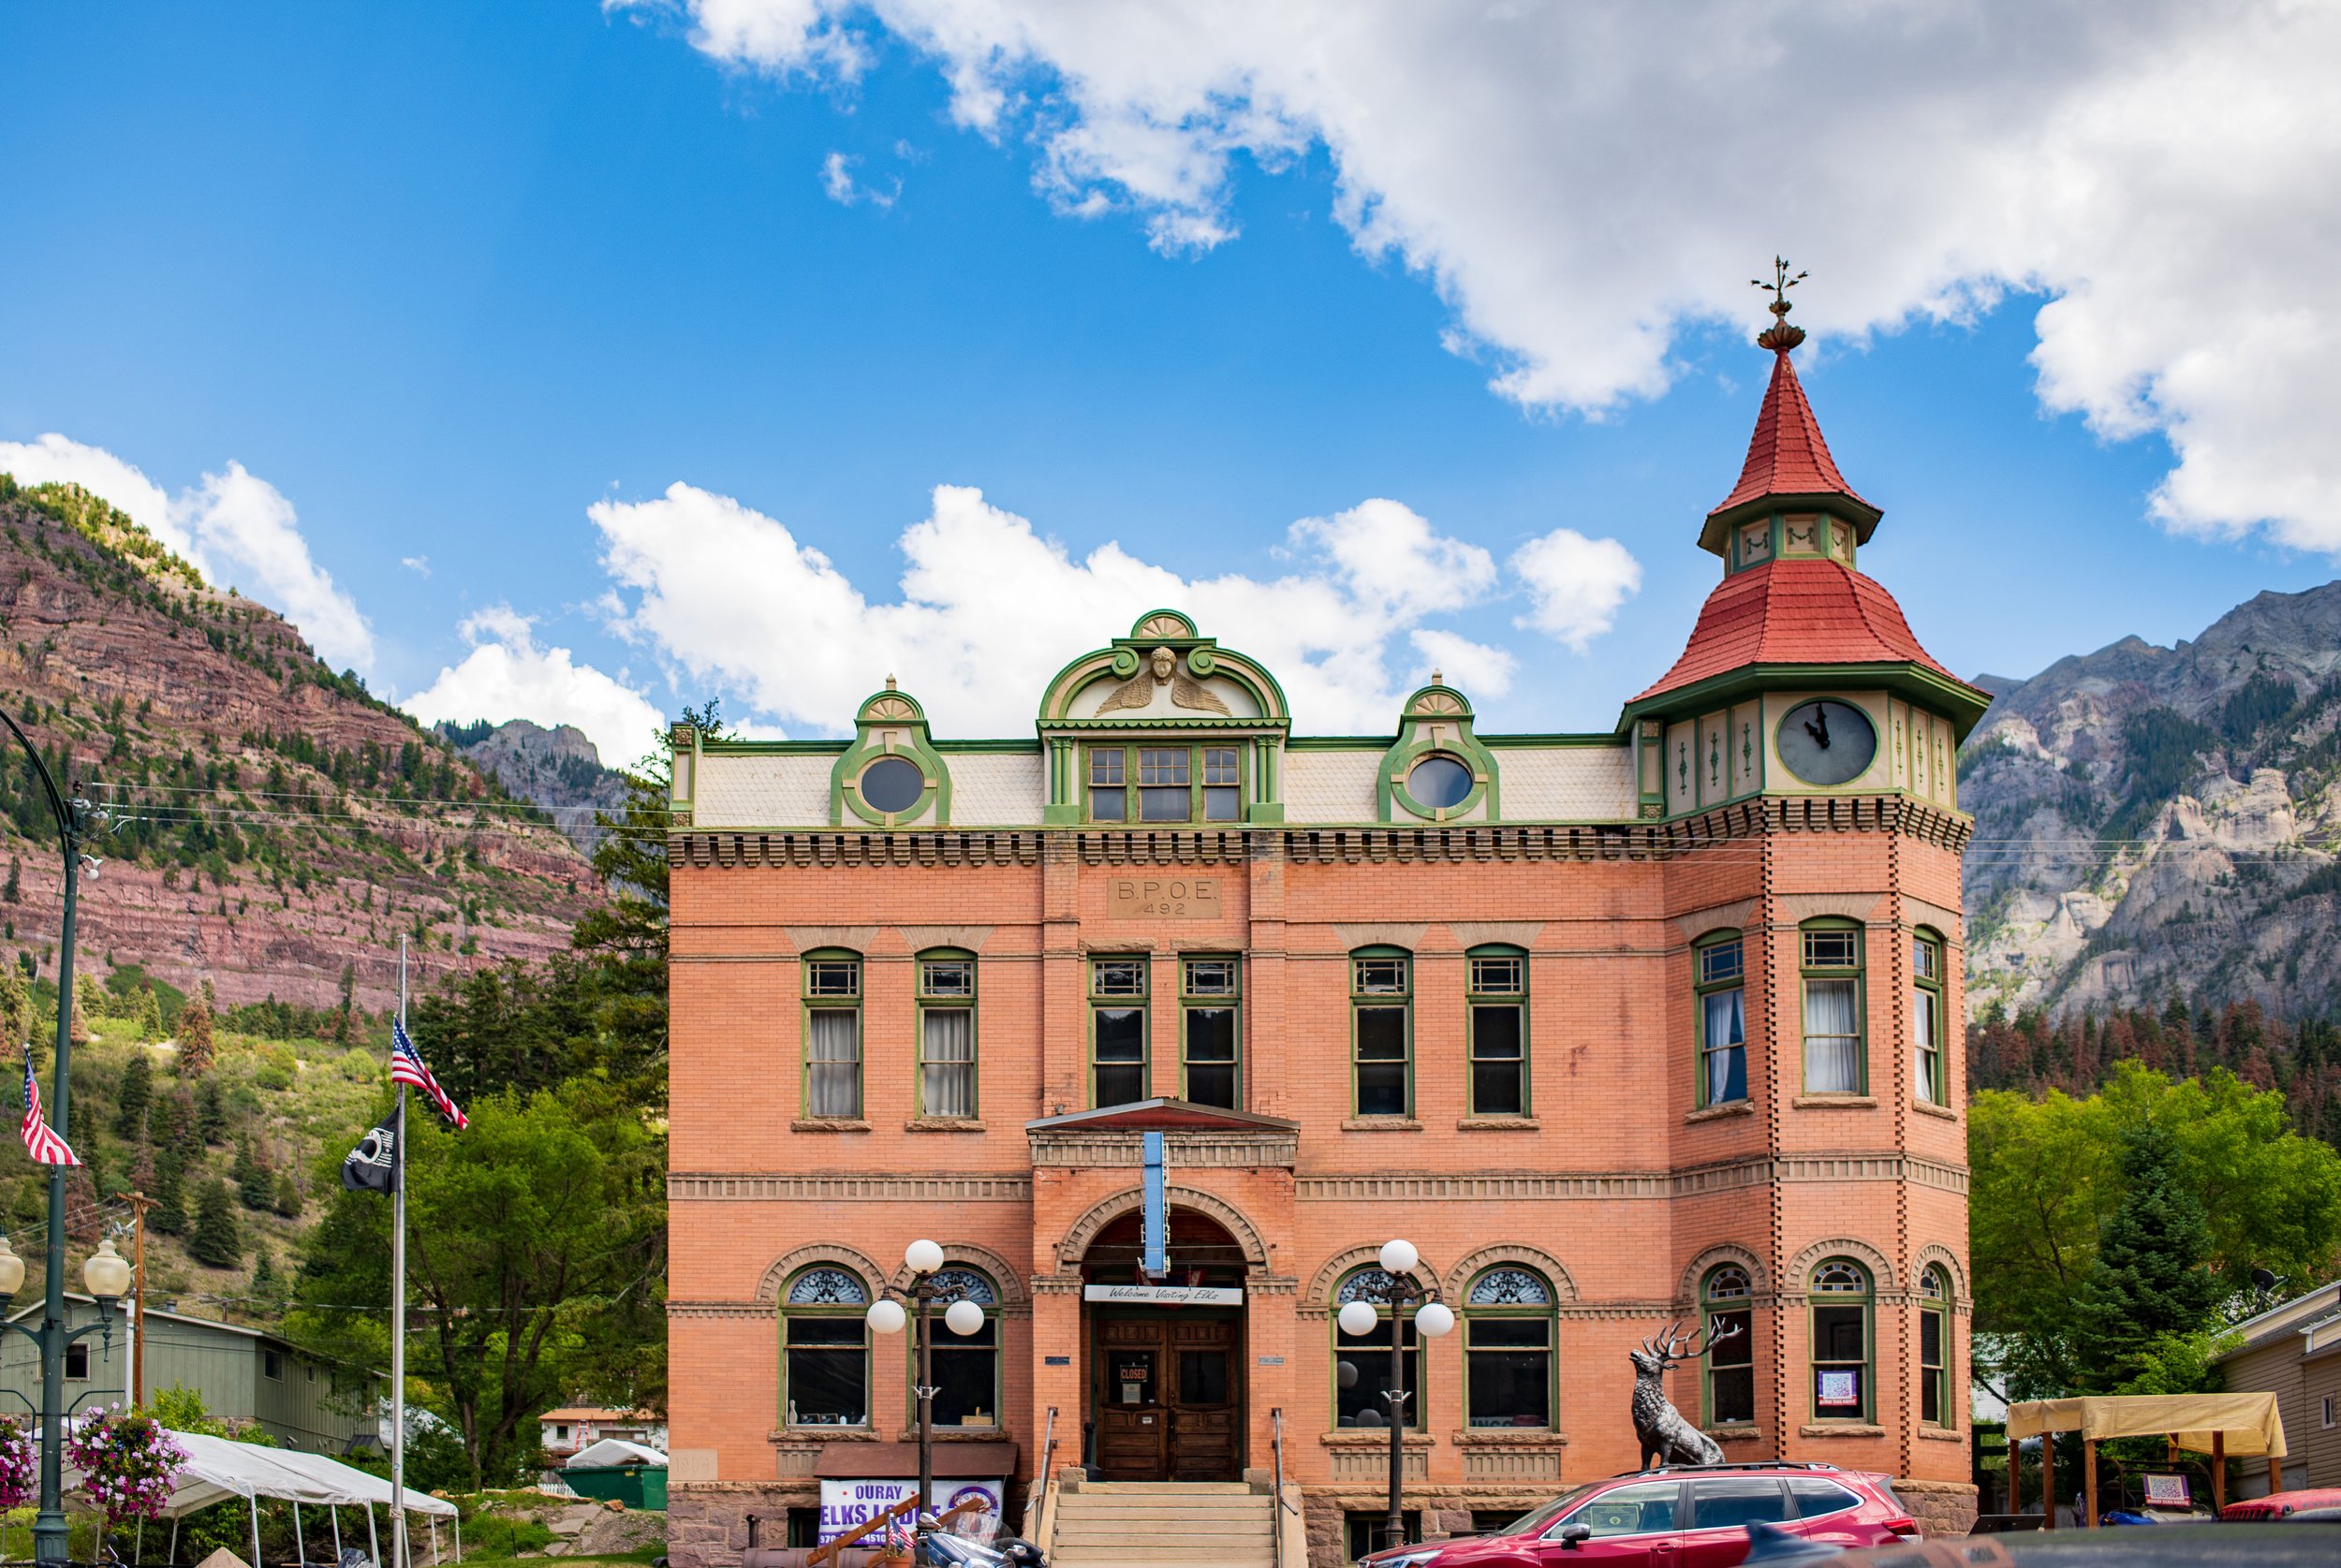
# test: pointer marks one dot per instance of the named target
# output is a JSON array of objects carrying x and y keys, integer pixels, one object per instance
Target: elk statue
[{"x": 1663, "y": 1432}]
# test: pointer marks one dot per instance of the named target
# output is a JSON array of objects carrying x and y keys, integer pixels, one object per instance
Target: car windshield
[{"x": 1528, "y": 1524}]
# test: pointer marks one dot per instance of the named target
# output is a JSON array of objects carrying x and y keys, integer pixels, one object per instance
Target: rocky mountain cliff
[
  {"x": 2151, "y": 819},
  {"x": 278, "y": 828},
  {"x": 558, "y": 769}
]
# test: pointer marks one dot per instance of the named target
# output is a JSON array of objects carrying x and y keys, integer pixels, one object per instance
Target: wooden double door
[{"x": 1168, "y": 1394}]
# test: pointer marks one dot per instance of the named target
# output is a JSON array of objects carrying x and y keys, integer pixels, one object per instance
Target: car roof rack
[{"x": 1748, "y": 1464}]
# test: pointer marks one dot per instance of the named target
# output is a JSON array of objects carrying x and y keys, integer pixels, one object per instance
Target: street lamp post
[
  {"x": 924, "y": 1259},
  {"x": 1432, "y": 1320},
  {"x": 49, "y": 1526}
]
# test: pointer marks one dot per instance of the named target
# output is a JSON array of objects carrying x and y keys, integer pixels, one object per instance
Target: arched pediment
[
  {"x": 1555, "y": 1273},
  {"x": 1163, "y": 675},
  {"x": 1758, "y": 1277},
  {"x": 768, "y": 1288},
  {"x": 1800, "y": 1271},
  {"x": 1075, "y": 1246}
]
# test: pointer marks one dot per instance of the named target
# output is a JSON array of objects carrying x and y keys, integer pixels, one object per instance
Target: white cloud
[
  {"x": 507, "y": 676},
  {"x": 420, "y": 564},
  {"x": 234, "y": 526},
  {"x": 989, "y": 610},
  {"x": 839, "y": 184},
  {"x": 1475, "y": 668},
  {"x": 1575, "y": 584},
  {"x": 1583, "y": 181}
]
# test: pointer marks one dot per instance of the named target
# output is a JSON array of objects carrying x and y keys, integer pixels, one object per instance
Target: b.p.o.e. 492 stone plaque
[{"x": 1164, "y": 897}]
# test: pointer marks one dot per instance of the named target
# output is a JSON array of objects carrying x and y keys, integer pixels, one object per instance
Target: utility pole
[{"x": 139, "y": 1203}]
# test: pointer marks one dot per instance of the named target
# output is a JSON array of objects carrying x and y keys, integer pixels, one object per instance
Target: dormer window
[{"x": 1173, "y": 784}]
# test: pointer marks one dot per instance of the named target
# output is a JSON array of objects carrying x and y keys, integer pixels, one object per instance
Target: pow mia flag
[{"x": 371, "y": 1166}]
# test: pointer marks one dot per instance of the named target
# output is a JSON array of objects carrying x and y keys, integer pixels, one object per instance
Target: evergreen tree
[
  {"x": 268, "y": 1287},
  {"x": 2152, "y": 1277},
  {"x": 211, "y": 1112},
  {"x": 288, "y": 1196},
  {"x": 88, "y": 1002},
  {"x": 138, "y": 1092},
  {"x": 255, "y": 1185},
  {"x": 168, "y": 1191},
  {"x": 170, "y": 1118},
  {"x": 150, "y": 1014},
  {"x": 16, "y": 1010},
  {"x": 195, "y": 1034},
  {"x": 218, "y": 1241},
  {"x": 16, "y": 870}
]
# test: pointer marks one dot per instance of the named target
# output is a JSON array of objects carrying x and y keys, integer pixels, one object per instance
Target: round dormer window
[
  {"x": 893, "y": 784},
  {"x": 1439, "y": 783}
]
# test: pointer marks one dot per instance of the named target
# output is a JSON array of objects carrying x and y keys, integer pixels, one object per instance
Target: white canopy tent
[
  {"x": 218, "y": 1471},
  {"x": 612, "y": 1452}
]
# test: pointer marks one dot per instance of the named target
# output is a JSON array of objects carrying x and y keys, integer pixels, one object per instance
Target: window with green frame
[
  {"x": 1497, "y": 982},
  {"x": 966, "y": 1366},
  {"x": 1508, "y": 1322},
  {"x": 1362, "y": 1361},
  {"x": 833, "y": 1034},
  {"x": 1927, "y": 1019},
  {"x": 1841, "y": 1342},
  {"x": 1724, "y": 1297},
  {"x": 1719, "y": 998},
  {"x": 1935, "y": 1403},
  {"x": 1831, "y": 953},
  {"x": 947, "y": 1034},
  {"x": 1381, "y": 1032},
  {"x": 825, "y": 1349},
  {"x": 1117, "y": 1029},
  {"x": 1210, "y": 1068},
  {"x": 1171, "y": 782}
]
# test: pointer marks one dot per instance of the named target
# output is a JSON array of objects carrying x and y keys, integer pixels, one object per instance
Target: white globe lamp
[
  {"x": 963, "y": 1318},
  {"x": 887, "y": 1317},
  {"x": 107, "y": 1274},
  {"x": 1358, "y": 1318},
  {"x": 922, "y": 1257},
  {"x": 1434, "y": 1319},
  {"x": 1399, "y": 1257}
]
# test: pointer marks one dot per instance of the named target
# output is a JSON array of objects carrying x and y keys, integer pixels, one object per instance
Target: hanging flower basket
[
  {"x": 129, "y": 1463},
  {"x": 18, "y": 1464}
]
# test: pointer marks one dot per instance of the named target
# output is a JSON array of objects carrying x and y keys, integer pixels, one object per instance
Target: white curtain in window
[
  {"x": 950, "y": 1089},
  {"x": 833, "y": 1055},
  {"x": 1726, "y": 1028},
  {"x": 1925, "y": 1063},
  {"x": 1831, "y": 1038}
]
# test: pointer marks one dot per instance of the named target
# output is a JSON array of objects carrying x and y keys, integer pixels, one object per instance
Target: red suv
[{"x": 1681, "y": 1517}]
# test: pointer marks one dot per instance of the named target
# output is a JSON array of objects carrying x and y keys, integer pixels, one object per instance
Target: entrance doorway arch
[{"x": 1166, "y": 1388}]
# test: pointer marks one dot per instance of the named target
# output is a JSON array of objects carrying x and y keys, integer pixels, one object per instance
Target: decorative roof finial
[
  {"x": 1781, "y": 335},
  {"x": 889, "y": 683},
  {"x": 1436, "y": 678}
]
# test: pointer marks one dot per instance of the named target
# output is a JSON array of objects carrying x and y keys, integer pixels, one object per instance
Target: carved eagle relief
[{"x": 1161, "y": 669}]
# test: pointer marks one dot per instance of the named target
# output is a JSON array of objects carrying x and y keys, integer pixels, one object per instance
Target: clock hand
[{"x": 1818, "y": 732}]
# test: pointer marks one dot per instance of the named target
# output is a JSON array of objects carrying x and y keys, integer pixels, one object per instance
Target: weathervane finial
[{"x": 1780, "y": 336}]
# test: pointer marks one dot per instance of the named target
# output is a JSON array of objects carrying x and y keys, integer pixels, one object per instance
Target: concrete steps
[{"x": 1222, "y": 1524}]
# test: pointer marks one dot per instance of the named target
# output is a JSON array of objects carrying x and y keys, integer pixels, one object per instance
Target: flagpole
[{"x": 398, "y": 1305}]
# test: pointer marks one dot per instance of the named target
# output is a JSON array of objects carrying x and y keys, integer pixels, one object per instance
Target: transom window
[
  {"x": 1117, "y": 1030},
  {"x": 1500, "y": 1034},
  {"x": 1935, "y": 1402},
  {"x": 832, "y": 978},
  {"x": 1210, "y": 1046},
  {"x": 1381, "y": 1034},
  {"x": 825, "y": 1362},
  {"x": 1174, "y": 783},
  {"x": 1833, "y": 1010}
]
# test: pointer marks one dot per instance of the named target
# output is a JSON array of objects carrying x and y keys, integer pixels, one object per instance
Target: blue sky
[{"x": 443, "y": 277}]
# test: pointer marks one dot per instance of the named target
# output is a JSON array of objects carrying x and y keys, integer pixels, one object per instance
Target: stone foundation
[
  {"x": 1446, "y": 1511},
  {"x": 1941, "y": 1507},
  {"x": 707, "y": 1521}
]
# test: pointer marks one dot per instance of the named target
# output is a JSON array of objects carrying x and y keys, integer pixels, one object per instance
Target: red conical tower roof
[{"x": 1787, "y": 455}]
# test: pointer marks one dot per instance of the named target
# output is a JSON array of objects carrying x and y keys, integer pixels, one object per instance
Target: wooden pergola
[{"x": 2222, "y": 1426}]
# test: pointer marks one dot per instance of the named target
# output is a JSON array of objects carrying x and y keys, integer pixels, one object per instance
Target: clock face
[{"x": 1826, "y": 742}]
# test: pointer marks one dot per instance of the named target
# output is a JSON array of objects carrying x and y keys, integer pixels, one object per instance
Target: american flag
[
  {"x": 40, "y": 1141},
  {"x": 407, "y": 1067}
]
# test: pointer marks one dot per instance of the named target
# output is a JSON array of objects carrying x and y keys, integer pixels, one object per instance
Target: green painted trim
[
  {"x": 1232, "y": 1002},
  {"x": 1962, "y": 704},
  {"x": 1202, "y": 656},
  {"x": 1391, "y": 795},
  {"x": 1418, "y": 1396},
  {"x": 1340, "y": 743},
  {"x": 772, "y": 748},
  {"x": 991, "y": 748},
  {"x": 1549, "y": 1314},
  {"x": 1700, "y": 990},
  {"x": 1131, "y": 789},
  {"x": 1938, "y": 1047},
  {"x": 1721, "y": 526},
  {"x": 1867, "y": 1301},
  {"x": 921, "y": 1004},
  {"x": 934, "y": 808},
  {"x": 1607, "y": 740},
  {"x": 1144, "y": 1005},
  {"x": 1859, "y": 974},
  {"x": 781, "y": 1314},
  {"x": 1709, "y": 1306},
  {"x": 1473, "y": 1001},
  {"x": 808, "y": 1005},
  {"x": 1401, "y": 1001}
]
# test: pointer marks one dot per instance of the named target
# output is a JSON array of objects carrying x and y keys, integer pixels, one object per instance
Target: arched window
[
  {"x": 1928, "y": 1020},
  {"x": 1362, "y": 1362},
  {"x": 1935, "y": 1403},
  {"x": 825, "y": 1360},
  {"x": 1841, "y": 1303},
  {"x": 1508, "y": 1349},
  {"x": 1381, "y": 1025},
  {"x": 1719, "y": 982},
  {"x": 1831, "y": 955},
  {"x": 1724, "y": 1299},
  {"x": 966, "y": 1366},
  {"x": 833, "y": 1034},
  {"x": 946, "y": 1033},
  {"x": 1500, "y": 1030}
]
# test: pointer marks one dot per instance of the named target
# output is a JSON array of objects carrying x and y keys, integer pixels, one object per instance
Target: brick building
[{"x": 1660, "y": 1023}]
